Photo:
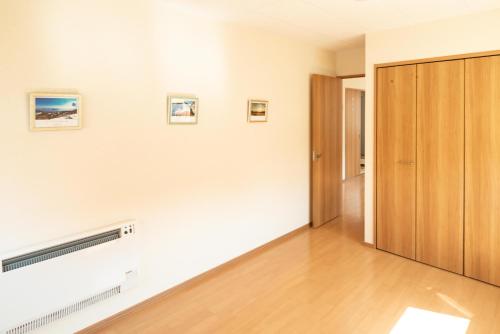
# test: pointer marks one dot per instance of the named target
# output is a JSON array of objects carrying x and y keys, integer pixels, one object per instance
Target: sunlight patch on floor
[
  {"x": 415, "y": 320},
  {"x": 453, "y": 303}
]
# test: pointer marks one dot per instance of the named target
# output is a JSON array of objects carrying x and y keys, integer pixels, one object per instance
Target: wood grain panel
[
  {"x": 482, "y": 169},
  {"x": 326, "y": 133},
  {"x": 353, "y": 132},
  {"x": 396, "y": 154},
  {"x": 442, "y": 58},
  {"x": 440, "y": 164}
]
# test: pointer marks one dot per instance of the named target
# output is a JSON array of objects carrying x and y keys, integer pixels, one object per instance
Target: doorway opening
[
  {"x": 331, "y": 198},
  {"x": 353, "y": 128}
]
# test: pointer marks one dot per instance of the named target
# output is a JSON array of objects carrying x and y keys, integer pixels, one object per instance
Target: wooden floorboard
[{"x": 321, "y": 280}]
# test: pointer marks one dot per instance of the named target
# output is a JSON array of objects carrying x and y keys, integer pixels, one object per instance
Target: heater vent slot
[
  {"x": 29, "y": 259},
  {"x": 51, "y": 317}
]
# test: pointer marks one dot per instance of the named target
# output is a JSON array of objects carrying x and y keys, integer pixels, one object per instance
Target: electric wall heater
[{"x": 41, "y": 284}]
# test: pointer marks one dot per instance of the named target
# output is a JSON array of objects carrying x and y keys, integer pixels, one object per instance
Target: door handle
[
  {"x": 316, "y": 155},
  {"x": 406, "y": 162}
]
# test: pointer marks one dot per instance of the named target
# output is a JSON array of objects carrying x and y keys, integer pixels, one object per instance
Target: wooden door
[
  {"x": 326, "y": 145},
  {"x": 440, "y": 164},
  {"x": 396, "y": 154},
  {"x": 482, "y": 169},
  {"x": 352, "y": 132}
]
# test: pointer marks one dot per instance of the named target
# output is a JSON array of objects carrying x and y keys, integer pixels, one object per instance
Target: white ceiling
[{"x": 334, "y": 24}]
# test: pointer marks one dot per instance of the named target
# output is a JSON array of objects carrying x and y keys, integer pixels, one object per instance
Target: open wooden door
[
  {"x": 326, "y": 155},
  {"x": 353, "y": 132}
]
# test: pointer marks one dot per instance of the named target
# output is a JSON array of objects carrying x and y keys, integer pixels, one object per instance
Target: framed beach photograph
[
  {"x": 182, "y": 109},
  {"x": 257, "y": 110},
  {"x": 55, "y": 112}
]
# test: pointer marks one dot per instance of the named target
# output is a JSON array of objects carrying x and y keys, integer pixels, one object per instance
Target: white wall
[
  {"x": 472, "y": 33},
  {"x": 201, "y": 194},
  {"x": 354, "y": 83},
  {"x": 350, "y": 61}
]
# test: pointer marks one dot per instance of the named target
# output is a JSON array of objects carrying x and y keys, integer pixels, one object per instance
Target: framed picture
[
  {"x": 55, "y": 112},
  {"x": 257, "y": 110},
  {"x": 182, "y": 110}
]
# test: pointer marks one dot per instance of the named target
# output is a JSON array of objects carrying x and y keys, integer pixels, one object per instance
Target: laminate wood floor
[{"x": 321, "y": 281}]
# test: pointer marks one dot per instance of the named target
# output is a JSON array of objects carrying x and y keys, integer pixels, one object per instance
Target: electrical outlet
[{"x": 131, "y": 280}]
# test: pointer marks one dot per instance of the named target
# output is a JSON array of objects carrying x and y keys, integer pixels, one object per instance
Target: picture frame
[
  {"x": 50, "y": 112},
  {"x": 182, "y": 109},
  {"x": 257, "y": 110}
]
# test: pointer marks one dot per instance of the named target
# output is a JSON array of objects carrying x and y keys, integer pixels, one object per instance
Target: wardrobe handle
[{"x": 406, "y": 162}]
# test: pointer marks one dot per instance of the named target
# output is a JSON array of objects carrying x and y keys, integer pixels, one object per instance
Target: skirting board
[{"x": 194, "y": 281}]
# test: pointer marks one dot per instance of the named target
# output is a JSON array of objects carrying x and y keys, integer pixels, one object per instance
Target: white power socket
[{"x": 131, "y": 280}]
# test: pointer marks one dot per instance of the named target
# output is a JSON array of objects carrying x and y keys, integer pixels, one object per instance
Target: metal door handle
[{"x": 316, "y": 156}]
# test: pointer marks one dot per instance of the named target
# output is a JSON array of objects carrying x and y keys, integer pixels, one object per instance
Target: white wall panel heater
[{"x": 44, "y": 283}]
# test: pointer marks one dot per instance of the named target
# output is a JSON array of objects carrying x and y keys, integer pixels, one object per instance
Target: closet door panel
[
  {"x": 396, "y": 153},
  {"x": 440, "y": 164},
  {"x": 482, "y": 169}
]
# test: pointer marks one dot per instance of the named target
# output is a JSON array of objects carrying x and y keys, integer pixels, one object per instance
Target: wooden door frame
[
  {"x": 351, "y": 76},
  {"x": 375, "y": 92}
]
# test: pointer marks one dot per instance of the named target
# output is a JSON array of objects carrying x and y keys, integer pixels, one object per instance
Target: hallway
[
  {"x": 321, "y": 280},
  {"x": 351, "y": 222}
]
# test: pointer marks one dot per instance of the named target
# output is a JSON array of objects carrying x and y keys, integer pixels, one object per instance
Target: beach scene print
[
  {"x": 56, "y": 112},
  {"x": 257, "y": 111},
  {"x": 183, "y": 110}
]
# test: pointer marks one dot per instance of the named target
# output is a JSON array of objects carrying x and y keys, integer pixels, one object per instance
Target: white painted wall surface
[
  {"x": 201, "y": 194},
  {"x": 350, "y": 61}
]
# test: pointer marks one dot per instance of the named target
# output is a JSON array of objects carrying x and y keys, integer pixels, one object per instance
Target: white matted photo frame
[
  {"x": 49, "y": 112},
  {"x": 182, "y": 109},
  {"x": 257, "y": 110}
]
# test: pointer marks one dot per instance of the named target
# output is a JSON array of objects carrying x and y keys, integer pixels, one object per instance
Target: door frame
[{"x": 352, "y": 76}]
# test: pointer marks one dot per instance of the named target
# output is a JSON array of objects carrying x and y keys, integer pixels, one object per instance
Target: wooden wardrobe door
[
  {"x": 396, "y": 150},
  {"x": 440, "y": 164},
  {"x": 482, "y": 169}
]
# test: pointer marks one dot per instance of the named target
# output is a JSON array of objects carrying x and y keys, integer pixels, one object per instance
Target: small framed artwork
[
  {"x": 182, "y": 109},
  {"x": 257, "y": 110},
  {"x": 55, "y": 112}
]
